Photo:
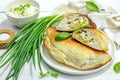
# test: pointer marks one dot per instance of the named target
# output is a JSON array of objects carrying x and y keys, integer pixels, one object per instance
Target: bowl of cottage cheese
[{"x": 21, "y": 12}]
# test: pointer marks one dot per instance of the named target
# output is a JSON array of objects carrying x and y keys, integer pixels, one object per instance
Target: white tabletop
[{"x": 49, "y": 5}]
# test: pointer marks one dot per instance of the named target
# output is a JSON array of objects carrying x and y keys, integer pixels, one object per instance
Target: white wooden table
[{"x": 28, "y": 73}]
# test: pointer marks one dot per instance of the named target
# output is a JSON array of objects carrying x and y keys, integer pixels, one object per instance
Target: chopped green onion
[
  {"x": 54, "y": 75},
  {"x": 48, "y": 73},
  {"x": 43, "y": 75},
  {"x": 22, "y": 8}
]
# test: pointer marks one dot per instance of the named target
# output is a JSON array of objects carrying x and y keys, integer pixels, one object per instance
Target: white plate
[{"x": 69, "y": 70}]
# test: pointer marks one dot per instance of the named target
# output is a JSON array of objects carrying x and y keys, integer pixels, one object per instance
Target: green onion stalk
[{"x": 22, "y": 48}]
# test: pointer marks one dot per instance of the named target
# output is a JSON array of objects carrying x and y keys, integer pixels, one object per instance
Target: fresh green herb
[
  {"x": 23, "y": 46},
  {"x": 21, "y": 8},
  {"x": 54, "y": 75},
  {"x": 92, "y": 6},
  {"x": 43, "y": 75},
  {"x": 62, "y": 36},
  {"x": 117, "y": 67},
  {"x": 48, "y": 73}
]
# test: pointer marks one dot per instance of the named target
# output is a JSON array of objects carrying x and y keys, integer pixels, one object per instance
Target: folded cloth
[
  {"x": 99, "y": 19},
  {"x": 114, "y": 20},
  {"x": 114, "y": 34},
  {"x": 105, "y": 19}
]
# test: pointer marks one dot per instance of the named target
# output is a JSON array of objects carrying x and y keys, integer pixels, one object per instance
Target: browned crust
[
  {"x": 71, "y": 41},
  {"x": 4, "y": 42}
]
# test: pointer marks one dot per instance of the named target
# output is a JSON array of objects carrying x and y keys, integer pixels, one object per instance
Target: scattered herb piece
[
  {"x": 62, "y": 36},
  {"x": 43, "y": 75},
  {"x": 117, "y": 67},
  {"x": 92, "y": 6},
  {"x": 54, "y": 75},
  {"x": 48, "y": 73}
]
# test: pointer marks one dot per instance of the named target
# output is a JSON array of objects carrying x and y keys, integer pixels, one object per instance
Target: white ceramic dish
[
  {"x": 69, "y": 70},
  {"x": 22, "y": 21}
]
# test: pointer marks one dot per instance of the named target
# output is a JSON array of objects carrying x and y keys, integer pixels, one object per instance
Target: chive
[
  {"x": 23, "y": 46},
  {"x": 33, "y": 50}
]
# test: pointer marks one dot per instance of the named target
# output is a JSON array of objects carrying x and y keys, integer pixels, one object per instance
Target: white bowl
[{"x": 22, "y": 21}]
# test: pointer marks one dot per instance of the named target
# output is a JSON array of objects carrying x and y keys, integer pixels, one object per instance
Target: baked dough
[
  {"x": 72, "y": 21},
  {"x": 72, "y": 53},
  {"x": 92, "y": 38}
]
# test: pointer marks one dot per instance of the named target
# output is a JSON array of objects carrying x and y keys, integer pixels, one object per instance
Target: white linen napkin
[
  {"x": 114, "y": 34},
  {"x": 99, "y": 19}
]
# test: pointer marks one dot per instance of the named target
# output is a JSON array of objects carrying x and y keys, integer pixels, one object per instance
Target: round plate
[{"x": 69, "y": 70}]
